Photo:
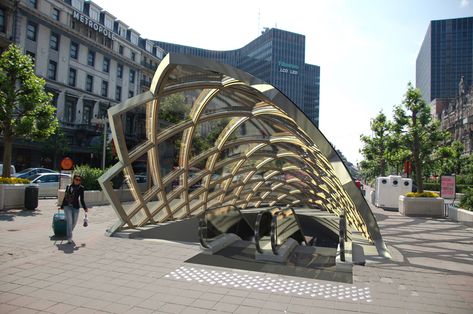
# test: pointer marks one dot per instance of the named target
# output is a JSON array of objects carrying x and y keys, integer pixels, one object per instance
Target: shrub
[
  {"x": 13, "y": 181},
  {"x": 89, "y": 176},
  {"x": 467, "y": 200},
  {"x": 422, "y": 194}
]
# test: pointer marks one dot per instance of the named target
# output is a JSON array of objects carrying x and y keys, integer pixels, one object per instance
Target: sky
[{"x": 366, "y": 49}]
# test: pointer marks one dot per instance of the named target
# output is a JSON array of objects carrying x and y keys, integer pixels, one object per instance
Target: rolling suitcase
[{"x": 59, "y": 223}]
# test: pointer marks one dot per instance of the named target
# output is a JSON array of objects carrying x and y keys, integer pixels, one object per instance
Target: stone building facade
[{"x": 90, "y": 61}]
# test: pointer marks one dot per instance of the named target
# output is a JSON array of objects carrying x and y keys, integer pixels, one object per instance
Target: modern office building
[
  {"x": 90, "y": 61},
  {"x": 276, "y": 57},
  {"x": 446, "y": 55}
]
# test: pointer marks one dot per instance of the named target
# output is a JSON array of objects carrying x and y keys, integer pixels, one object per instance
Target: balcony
[
  {"x": 145, "y": 83},
  {"x": 149, "y": 65}
]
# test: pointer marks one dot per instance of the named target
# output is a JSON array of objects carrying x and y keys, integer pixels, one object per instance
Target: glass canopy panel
[
  {"x": 227, "y": 101},
  {"x": 186, "y": 74},
  {"x": 252, "y": 128},
  {"x": 206, "y": 133},
  {"x": 176, "y": 107},
  {"x": 134, "y": 127}
]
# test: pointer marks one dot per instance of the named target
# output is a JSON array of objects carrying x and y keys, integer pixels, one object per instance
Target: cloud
[{"x": 464, "y": 3}]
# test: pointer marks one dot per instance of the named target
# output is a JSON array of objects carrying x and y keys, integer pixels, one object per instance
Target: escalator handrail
[
  {"x": 274, "y": 229},
  {"x": 258, "y": 225},
  {"x": 203, "y": 222}
]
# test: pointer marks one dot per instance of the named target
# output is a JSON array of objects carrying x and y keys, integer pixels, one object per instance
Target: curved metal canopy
[{"x": 212, "y": 135}]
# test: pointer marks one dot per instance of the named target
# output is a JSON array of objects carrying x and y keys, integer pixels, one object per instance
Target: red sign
[
  {"x": 447, "y": 186},
  {"x": 407, "y": 167},
  {"x": 67, "y": 163}
]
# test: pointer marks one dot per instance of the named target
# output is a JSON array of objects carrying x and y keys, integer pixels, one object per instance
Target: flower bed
[{"x": 421, "y": 206}]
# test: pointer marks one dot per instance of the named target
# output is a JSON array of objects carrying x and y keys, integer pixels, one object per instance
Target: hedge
[{"x": 460, "y": 188}]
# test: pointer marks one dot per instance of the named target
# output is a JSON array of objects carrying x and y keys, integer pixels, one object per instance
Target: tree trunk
[
  {"x": 7, "y": 152},
  {"x": 418, "y": 164}
]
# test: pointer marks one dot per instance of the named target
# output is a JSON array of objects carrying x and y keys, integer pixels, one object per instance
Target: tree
[
  {"x": 25, "y": 109},
  {"x": 449, "y": 158},
  {"x": 376, "y": 147},
  {"x": 417, "y": 130}
]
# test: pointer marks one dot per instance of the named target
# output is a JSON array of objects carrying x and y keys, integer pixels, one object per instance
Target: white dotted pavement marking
[{"x": 269, "y": 284}]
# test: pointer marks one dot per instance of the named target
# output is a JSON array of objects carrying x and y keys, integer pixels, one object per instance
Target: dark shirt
[{"x": 76, "y": 191}]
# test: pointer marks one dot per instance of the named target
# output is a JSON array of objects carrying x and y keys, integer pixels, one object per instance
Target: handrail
[
  {"x": 342, "y": 234},
  {"x": 216, "y": 221},
  {"x": 264, "y": 213},
  {"x": 292, "y": 229}
]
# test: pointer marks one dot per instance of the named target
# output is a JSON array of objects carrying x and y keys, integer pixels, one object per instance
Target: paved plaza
[{"x": 431, "y": 272}]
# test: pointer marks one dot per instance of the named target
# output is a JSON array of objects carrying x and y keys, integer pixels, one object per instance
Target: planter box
[
  {"x": 421, "y": 206},
  {"x": 12, "y": 196},
  {"x": 461, "y": 215},
  {"x": 97, "y": 198}
]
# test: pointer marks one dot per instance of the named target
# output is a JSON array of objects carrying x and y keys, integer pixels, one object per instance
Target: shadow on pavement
[
  {"x": 9, "y": 215},
  {"x": 69, "y": 248}
]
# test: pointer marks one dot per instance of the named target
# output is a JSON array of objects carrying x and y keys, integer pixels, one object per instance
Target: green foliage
[
  {"x": 25, "y": 109},
  {"x": 173, "y": 108},
  {"x": 89, "y": 176},
  {"x": 422, "y": 194},
  {"x": 375, "y": 147},
  {"x": 13, "y": 181},
  {"x": 447, "y": 159},
  {"x": 417, "y": 131},
  {"x": 467, "y": 200}
]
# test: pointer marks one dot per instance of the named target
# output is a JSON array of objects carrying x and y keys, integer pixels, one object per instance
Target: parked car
[
  {"x": 28, "y": 172},
  {"x": 48, "y": 183},
  {"x": 12, "y": 170}
]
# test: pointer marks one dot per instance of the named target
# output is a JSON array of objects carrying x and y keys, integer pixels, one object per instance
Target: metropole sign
[{"x": 94, "y": 25}]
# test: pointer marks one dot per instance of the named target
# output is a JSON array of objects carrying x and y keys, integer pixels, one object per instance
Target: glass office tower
[
  {"x": 277, "y": 57},
  {"x": 445, "y": 56}
]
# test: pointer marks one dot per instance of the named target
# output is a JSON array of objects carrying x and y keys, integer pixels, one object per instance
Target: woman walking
[{"x": 70, "y": 204}]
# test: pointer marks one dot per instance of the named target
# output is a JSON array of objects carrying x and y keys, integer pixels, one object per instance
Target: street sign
[{"x": 67, "y": 163}]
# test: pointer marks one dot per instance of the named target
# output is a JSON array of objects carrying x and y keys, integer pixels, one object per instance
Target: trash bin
[{"x": 31, "y": 197}]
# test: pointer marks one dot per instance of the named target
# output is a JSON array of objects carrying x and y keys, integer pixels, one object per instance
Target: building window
[
  {"x": 118, "y": 93},
  {"x": 132, "y": 76},
  {"x": 31, "y": 31},
  {"x": 106, "y": 65},
  {"x": 119, "y": 71},
  {"x": 52, "y": 69},
  {"x": 120, "y": 49},
  {"x": 34, "y": 3},
  {"x": 131, "y": 94},
  {"x": 2, "y": 20},
  {"x": 89, "y": 83},
  {"x": 91, "y": 58},
  {"x": 94, "y": 14},
  {"x": 87, "y": 113},
  {"x": 108, "y": 23},
  {"x": 77, "y": 4},
  {"x": 72, "y": 76},
  {"x": 70, "y": 109},
  {"x": 54, "y": 41},
  {"x": 104, "y": 88},
  {"x": 133, "y": 56},
  {"x": 74, "y": 52},
  {"x": 56, "y": 14}
]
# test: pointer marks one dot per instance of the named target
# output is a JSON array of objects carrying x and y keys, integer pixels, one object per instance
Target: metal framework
[{"x": 215, "y": 135}]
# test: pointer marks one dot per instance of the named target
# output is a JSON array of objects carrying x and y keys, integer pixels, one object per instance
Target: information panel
[{"x": 447, "y": 186}]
